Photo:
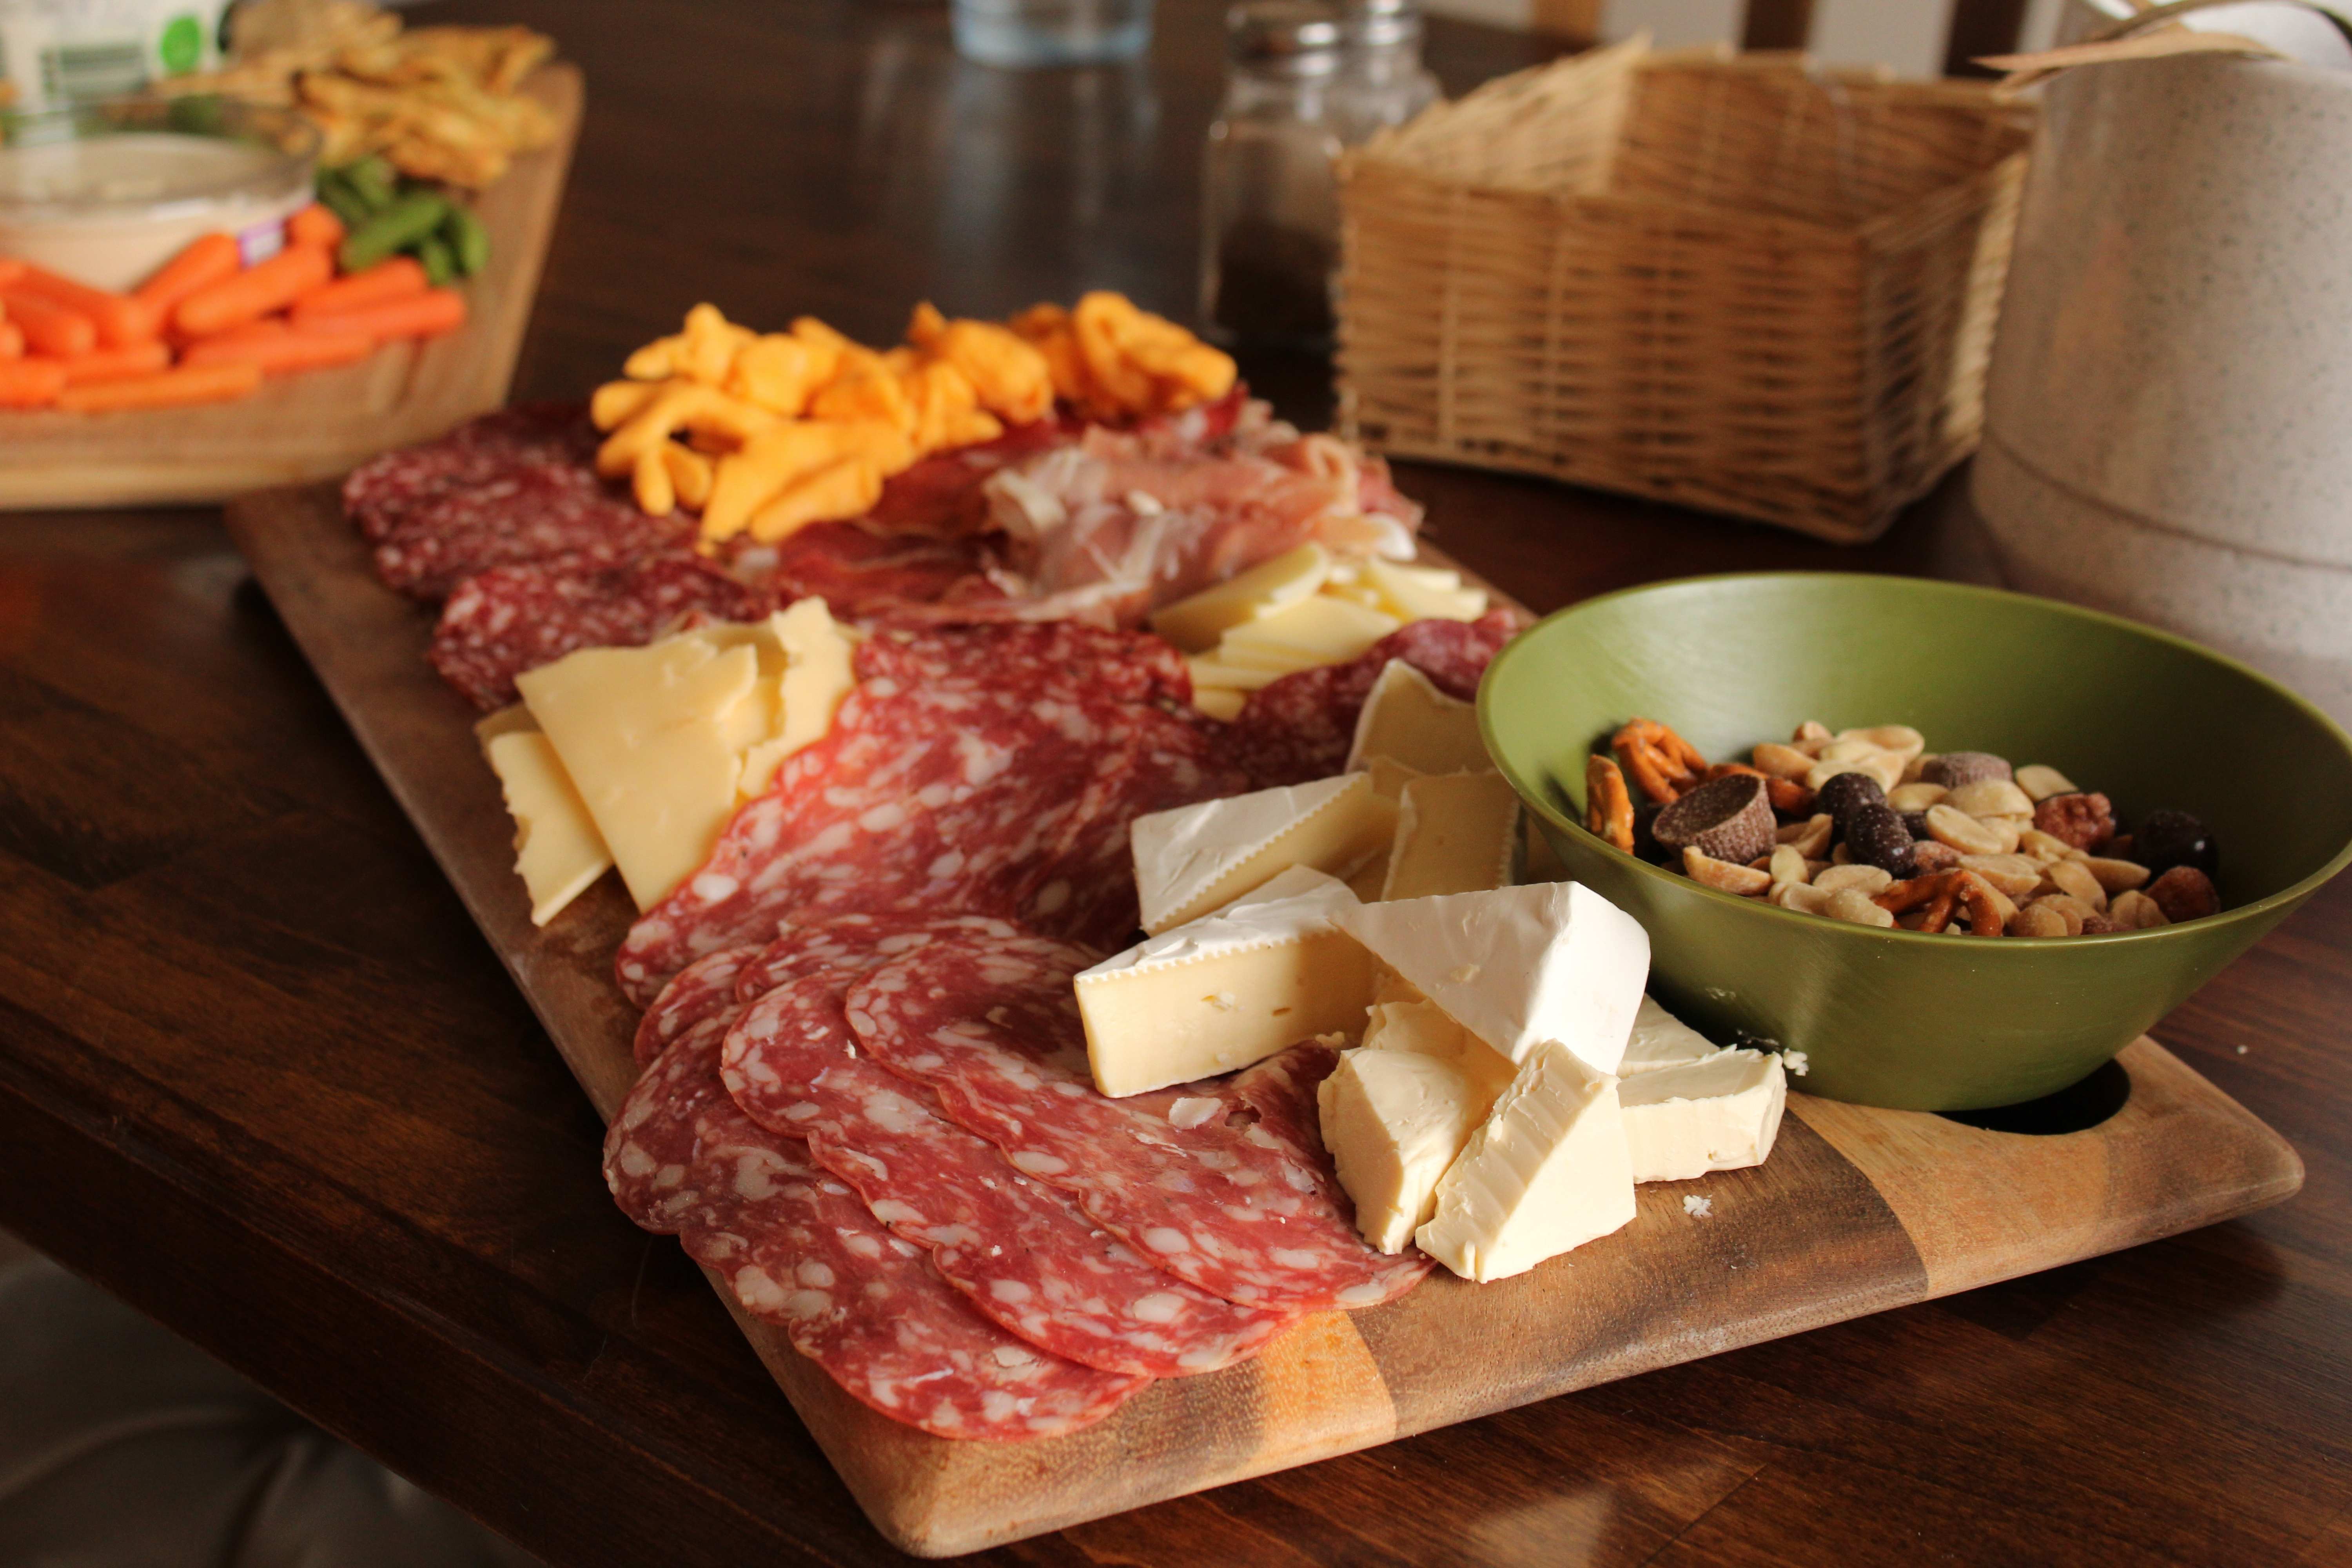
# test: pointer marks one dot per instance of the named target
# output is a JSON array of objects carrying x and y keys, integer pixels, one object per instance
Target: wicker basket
[{"x": 1737, "y": 283}]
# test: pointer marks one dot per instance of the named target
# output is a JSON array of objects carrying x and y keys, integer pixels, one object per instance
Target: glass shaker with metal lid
[
  {"x": 1386, "y": 82},
  {"x": 1271, "y": 207}
]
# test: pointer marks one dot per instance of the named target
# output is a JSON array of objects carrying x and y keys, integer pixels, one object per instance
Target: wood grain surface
[
  {"x": 319, "y": 423},
  {"x": 261, "y": 1076},
  {"x": 1857, "y": 1211}
]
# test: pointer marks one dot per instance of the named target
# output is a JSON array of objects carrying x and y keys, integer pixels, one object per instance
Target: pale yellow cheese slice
[
  {"x": 558, "y": 854},
  {"x": 1456, "y": 833},
  {"x": 1196, "y": 624},
  {"x": 1423, "y": 592},
  {"x": 1220, "y": 702},
  {"x": 1321, "y": 629}
]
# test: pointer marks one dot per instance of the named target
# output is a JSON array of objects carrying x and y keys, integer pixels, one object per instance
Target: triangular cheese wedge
[
  {"x": 1720, "y": 1114},
  {"x": 1408, "y": 719},
  {"x": 1190, "y": 860},
  {"x": 1519, "y": 966},
  {"x": 1662, "y": 1040},
  {"x": 1456, "y": 833}
]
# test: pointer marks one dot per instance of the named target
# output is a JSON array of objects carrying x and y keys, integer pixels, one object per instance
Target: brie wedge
[
  {"x": 1408, "y": 719},
  {"x": 1196, "y": 859},
  {"x": 1720, "y": 1114},
  {"x": 1455, "y": 833},
  {"x": 1662, "y": 1040}
]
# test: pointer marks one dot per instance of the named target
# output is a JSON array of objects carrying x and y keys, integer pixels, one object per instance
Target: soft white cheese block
[
  {"x": 1195, "y": 858},
  {"x": 1407, "y": 718},
  {"x": 1519, "y": 966},
  {"x": 1227, "y": 990},
  {"x": 1662, "y": 1040},
  {"x": 1549, "y": 1170},
  {"x": 1455, "y": 833},
  {"x": 1720, "y": 1114},
  {"x": 1398, "y": 1110},
  {"x": 558, "y": 854},
  {"x": 1196, "y": 624}
]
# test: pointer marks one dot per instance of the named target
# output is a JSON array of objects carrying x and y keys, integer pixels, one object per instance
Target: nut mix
[{"x": 1866, "y": 825}]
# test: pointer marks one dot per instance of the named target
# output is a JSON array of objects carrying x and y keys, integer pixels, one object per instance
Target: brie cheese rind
[
  {"x": 1193, "y": 858},
  {"x": 1407, "y": 718},
  {"x": 1720, "y": 1114},
  {"x": 1549, "y": 1170},
  {"x": 1227, "y": 990},
  {"x": 1518, "y": 967}
]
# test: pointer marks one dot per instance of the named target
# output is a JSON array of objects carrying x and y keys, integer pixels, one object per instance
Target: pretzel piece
[
  {"x": 1665, "y": 765},
  {"x": 1608, "y": 808}
]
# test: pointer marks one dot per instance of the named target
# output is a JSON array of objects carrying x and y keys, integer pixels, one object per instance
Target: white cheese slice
[
  {"x": 1195, "y": 858},
  {"x": 1323, "y": 630},
  {"x": 1408, "y": 719},
  {"x": 1423, "y": 592},
  {"x": 1720, "y": 1114},
  {"x": 1455, "y": 833},
  {"x": 1519, "y": 967},
  {"x": 1662, "y": 1040},
  {"x": 1226, "y": 991},
  {"x": 1196, "y": 624},
  {"x": 1549, "y": 1170},
  {"x": 558, "y": 854},
  {"x": 652, "y": 737}
]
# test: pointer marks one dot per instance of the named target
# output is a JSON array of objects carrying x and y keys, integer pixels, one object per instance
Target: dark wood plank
[{"x": 271, "y": 1086}]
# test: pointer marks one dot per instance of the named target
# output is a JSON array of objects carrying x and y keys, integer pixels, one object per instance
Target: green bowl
[{"x": 1903, "y": 1018}]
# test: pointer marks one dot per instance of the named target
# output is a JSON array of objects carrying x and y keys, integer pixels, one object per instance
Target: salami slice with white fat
[
  {"x": 1023, "y": 1253},
  {"x": 986, "y": 771},
  {"x": 800, "y": 1249},
  {"x": 1299, "y": 728},
  {"x": 1222, "y": 1185}
]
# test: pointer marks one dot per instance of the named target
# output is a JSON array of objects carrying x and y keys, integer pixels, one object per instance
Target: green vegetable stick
[
  {"x": 440, "y": 265},
  {"x": 469, "y": 242},
  {"x": 397, "y": 228},
  {"x": 372, "y": 180},
  {"x": 336, "y": 196}
]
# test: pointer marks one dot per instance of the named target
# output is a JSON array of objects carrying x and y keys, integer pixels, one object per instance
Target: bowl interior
[{"x": 2150, "y": 719}]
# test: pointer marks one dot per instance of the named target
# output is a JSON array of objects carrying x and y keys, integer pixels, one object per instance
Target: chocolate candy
[
  {"x": 2169, "y": 839},
  {"x": 1729, "y": 819},
  {"x": 1841, "y": 792},
  {"x": 1875, "y": 835},
  {"x": 1954, "y": 769}
]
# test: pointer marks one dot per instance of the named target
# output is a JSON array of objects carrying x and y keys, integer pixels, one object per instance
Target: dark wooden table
[{"x": 259, "y": 1076}]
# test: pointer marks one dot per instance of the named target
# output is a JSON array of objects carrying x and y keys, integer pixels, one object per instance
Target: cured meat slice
[
  {"x": 502, "y": 622},
  {"x": 988, "y": 771},
  {"x": 941, "y": 495},
  {"x": 380, "y": 493},
  {"x": 698, "y": 993},
  {"x": 848, "y": 943},
  {"x": 800, "y": 1249},
  {"x": 1023, "y": 1253},
  {"x": 1299, "y": 728},
  {"x": 863, "y": 574},
  {"x": 531, "y": 512},
  {"x": 1222, "y": 1185}
]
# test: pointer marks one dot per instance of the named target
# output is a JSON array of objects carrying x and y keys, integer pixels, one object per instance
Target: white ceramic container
[{"x": 2169, "y": 416}]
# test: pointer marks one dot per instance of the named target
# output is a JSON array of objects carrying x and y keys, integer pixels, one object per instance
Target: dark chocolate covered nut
[
  {"x": 2169, "y": 839},
  {"x": 1841, "y": 792},
  {"x": 1875, "y": 835},
  {"x": 1729, "y": 819},
  {"x": 1917, "y": 821},
  {"x": 1953, "y": 769}
]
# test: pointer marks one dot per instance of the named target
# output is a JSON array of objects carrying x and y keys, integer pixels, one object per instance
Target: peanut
[
  {"x": 2116, "y": 876},
  {"x": 2039, "y": 846},
  {"x": 1788, "y": 865},
  {"x": 2074, "y": 880},
  {"x": 1810, "y": 737},
  {"x": 1915, "y": 796},
  {"x": 1991, "y": 797},
  {"x": 1869, "y": 878},
  {"x": 1854, "y": 904},
  {"x": 2012, "y": 874},
  {"x": 1949, "y": 824},
  {"x": 2135, "y": 910},
  {"x": 2041, "y": 783},
  {"x": 1723, "y": 874},
  {"x": 1877, "y": 764},
  {"x": 2073, "y": 910},
  {"x": 1899, "y": 741},
  {"x": 1775, "y": 761},
  {"x": 2035, "y": 921},
  {"x": 1811, "y": 836},
  {"x": 1803, "y": 898}
]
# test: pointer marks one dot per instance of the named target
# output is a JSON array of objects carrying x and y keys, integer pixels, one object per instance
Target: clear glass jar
[
  {"x": 1386, "y": 84},
  {"x": 1270, "y": 217}
]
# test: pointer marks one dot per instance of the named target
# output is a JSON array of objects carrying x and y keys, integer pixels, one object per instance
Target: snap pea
[
  {"x": 468, "y": 241},
  {"x": 397, "y": 228},
  {"x": 337, "y": 197},
  {"x": 372, "y": 180},
  {"x": 440, "y": 265}
]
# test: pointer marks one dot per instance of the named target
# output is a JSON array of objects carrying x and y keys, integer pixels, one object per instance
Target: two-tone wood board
[
  {"x": 1857, "y": 1210},
  {"x": 323, "y": 423}
]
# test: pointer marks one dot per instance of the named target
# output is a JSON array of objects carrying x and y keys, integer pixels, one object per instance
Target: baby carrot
[
  {"x": 10, "y": 270},
  {"x": 117, "y": 364},
  {"x": 203, "y": 262},
  {"x": 426, "y": 315},
  {"x": 271, "y": 285},
  {"x": 49, "y": 328},
  {"x": 12, "y": 339},
  {"x": 30, "y": 383},
  {"x": 315, "y": 225},
  {"x": 120, "y": 320},
  {"x": 386, "y": 281},
  {"x": 189, "y": 384},
  {"x": 278, "y": 349}
]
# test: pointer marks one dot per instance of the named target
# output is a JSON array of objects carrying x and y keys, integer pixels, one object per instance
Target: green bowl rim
[{"x": 2284, "y": 898}]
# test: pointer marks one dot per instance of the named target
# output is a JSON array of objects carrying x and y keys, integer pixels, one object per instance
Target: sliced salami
[
  {"x": 800, "y": 1249},
  {"x": 502, "y": 622},
  {"x": 1023, "y": 1253},
  {"x": 986, "y": 771},
  {"x": 531, "y": 512},
  {"x": 1299, "y": 728},
  {"x": 698, "y": 992},
  {"x": 1218, "y": 1183},
  {"x": 382, "y": 492}
]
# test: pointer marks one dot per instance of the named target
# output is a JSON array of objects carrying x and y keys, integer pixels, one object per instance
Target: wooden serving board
[
  {"x": 321, "y": 424},
  {"x": 1857, "y": 1210}
]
